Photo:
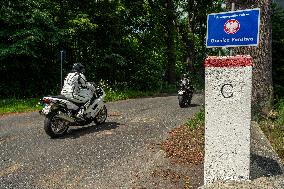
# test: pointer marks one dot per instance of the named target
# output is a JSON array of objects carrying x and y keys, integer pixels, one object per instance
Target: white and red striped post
[{"x": 228, "y": 82}]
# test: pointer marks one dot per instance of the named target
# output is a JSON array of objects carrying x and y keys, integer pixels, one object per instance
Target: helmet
[{"x": 78, "y": 67}]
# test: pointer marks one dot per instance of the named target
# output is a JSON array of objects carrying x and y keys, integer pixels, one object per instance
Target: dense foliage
[
  {"x": 278, "y": 51},
  {"x": 138, "y": 44}
]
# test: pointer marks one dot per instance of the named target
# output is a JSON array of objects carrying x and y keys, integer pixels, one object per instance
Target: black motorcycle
[{"x": 185, "y": 93}]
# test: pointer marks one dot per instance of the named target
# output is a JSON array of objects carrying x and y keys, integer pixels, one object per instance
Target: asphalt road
[{"x": 114, "y": 155}]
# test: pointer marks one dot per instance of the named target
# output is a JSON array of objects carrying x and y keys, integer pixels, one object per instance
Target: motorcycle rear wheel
[
  {"x": 101, "y": 116},
  {"x": 55, "y": 127}
]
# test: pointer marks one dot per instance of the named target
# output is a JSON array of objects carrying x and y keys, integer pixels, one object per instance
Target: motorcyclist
[
  {"x": 185, "y": 83},
  {"x": 185, "y": 92},
  {"x": 76, "y": 88}
]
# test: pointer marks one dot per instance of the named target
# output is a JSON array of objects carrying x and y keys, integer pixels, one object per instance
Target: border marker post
[{"x": 228, "y": 82}]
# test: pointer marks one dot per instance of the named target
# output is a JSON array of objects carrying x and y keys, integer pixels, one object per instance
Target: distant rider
[{"x": 185, "y": 83}]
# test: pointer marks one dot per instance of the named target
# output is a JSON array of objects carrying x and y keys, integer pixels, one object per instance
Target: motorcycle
[
  {"x": 185, "y": 93},
  {"x": 60, "y": 113}
]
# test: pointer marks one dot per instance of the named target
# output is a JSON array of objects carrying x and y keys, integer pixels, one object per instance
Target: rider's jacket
[
  {"x": 184, "y": 83},
  {"x": 76, "y": 88}
]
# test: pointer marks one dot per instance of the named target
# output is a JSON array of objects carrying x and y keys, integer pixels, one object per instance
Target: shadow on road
[
  {"x": 192, "y": 105},
  {"x": 76, "y": 132},
  {"x": 264, "y": 167}
]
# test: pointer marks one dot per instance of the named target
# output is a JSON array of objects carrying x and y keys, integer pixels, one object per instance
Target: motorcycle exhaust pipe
[{"x": 65, "y": 117}]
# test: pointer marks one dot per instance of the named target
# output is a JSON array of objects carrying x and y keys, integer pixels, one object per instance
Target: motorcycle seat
[
  {"x": 60, "y": 97},
  {"x": 64, "y": 98}
]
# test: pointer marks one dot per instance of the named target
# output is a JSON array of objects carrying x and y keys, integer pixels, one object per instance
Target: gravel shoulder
[{"x": 117, "y": 154}]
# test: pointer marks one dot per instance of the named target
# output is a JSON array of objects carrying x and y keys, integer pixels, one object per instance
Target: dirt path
[{"x": 116, "y": 155}]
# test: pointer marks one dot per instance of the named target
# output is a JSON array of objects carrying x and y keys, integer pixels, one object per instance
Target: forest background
[{"x": 142, "y": 45}]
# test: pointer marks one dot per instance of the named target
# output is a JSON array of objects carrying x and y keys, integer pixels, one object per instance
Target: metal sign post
[{"x": 232, "y": 9}]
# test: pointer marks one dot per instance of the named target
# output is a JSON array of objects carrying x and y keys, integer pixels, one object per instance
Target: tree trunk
[
  {"x": 190, "y": 45},
  {"x": 170, "y": 43},
  {"x": 187, "y": 34},
  {"x": 262, "y": 89}
]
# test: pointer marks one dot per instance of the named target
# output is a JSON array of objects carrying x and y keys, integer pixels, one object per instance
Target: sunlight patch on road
[
  {"x": 104, "y": 133},
  {"x": 7, "y": 138},
  {"x": 143, "y": 120},
  {"x": 10, "y": 170},
  {"x": 65, "y": 177},
  {"x": 114, "y": 114}
]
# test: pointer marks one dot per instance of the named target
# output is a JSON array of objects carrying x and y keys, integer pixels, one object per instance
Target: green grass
[
  {"x": 197, "y": 121},
  {"x": 24, "y": 105},
  {"x": 18, "y": 105},
  {"x": 196, "y": 125},
  {"x": 114, "y": 94},
  {"x": 273, "y": 128},
  {"x": 123, "y": 95},
  {"x": 280, "y": 112}
]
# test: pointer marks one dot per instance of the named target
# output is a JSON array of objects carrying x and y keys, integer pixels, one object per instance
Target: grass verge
[
  {"x": 18, "y": 105},
  {"x": 273, "y": 128},
  {"x": 181, "y": 149},
  {"x": 115, "y": 95},
  {"x": 123, "y": 93},
  {"x": 31, "y": 104}
]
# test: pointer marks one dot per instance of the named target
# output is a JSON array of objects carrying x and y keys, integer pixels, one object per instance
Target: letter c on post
[{"x": 226, "y": 90}]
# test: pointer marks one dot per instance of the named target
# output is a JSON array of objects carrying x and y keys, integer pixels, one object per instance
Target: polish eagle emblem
[{"x": 232, "y": 26}]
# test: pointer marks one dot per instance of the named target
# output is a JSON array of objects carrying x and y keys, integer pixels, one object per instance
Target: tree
[
  {"x": 164, "y": 18},
  {"x": 27, "y": 39},
  {"x": 192, "y": 29},
  {"x": 131, "y": 44},
  {"x": 170, "y": 41},
  {"x": 277, "y": 20},
  {"x": 262, "y": 85}
]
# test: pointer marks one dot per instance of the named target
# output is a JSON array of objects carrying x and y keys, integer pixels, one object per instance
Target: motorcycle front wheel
[
  {"x": 101, "y": 116},
  {"x": 181, "y": 101},
  {"x": 55, "y": 127}
]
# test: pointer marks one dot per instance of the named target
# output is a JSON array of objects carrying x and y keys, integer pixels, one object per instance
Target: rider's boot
[{"x": 82, "y": 110}]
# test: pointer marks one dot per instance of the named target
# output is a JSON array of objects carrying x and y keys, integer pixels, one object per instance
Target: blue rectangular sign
[{"x": 232, "y": 29}]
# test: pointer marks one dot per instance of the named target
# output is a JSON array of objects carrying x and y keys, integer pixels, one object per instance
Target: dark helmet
[{"x": 78, "y": 67}]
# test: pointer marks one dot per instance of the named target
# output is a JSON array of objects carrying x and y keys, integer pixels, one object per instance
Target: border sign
[{"x": 232, "y": 29}]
